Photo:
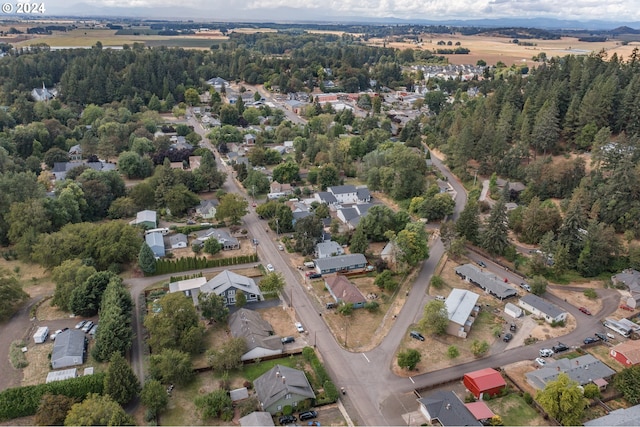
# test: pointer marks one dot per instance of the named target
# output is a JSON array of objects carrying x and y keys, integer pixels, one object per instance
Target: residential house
[
  {"x": 257, "y": 334},
  {"x": 343, "y": 291},
  {"x": 485, "y": 381},
  {"x": 542, "y": 308},
  {"x": 218, "y": 83},
  {"x": 43, "y": 94},
  {"x": 178, "y": 241},
  {"x": 326, "y": 197},
  {"x": 148, "y": 219},
  {"x": 328, "y": 249},
  {"x": 351, "y": 216},
  {"x": 298, "y": 215},
  {"x": 249, "y": 139},
  {"x": 276, "y": 187},
  {"x": 295, "y": 106},
  {"x": 179, "y": 143},
  {"x": 487, "y": 281},
  {"x": 446, "y": 409},
  {"x": 223, "y": 237},
  {"x": 584, "y": 370},
  {"x": 389, "y": 254},
  {"x": 69, "y": 349},
  {"x": 462, "y": 310},
  {"x": 207, "y": 209},
  {"x": 627, "y": 353},
  {"x": 60, "y": 169},
  {"x": 340, "y": 263},
  {"x": 515, "y": 188},
  {"x": 619, "y": 417},
  {"x": 630, "y": 278},
  {"x": 189, "y": 287},
  {"x": 62, "y": 375},
  {"x": 156, "y": 243},
  {"x": 75, "y": 153},
  {"x": 257, "y": 418},
  {"x": 481, "y": 411},
  {"x": 227, "y": 284},
  {"x": 282, "y": 386},
  {"x": 346, "y": 194}
]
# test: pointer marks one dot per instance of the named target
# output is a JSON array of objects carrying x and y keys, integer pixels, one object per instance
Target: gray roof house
[
  {"x": 340, "y": 263},
  {"x": 207, "y": 209},
  {"x": 619, "y": 417},
  {"x": 281, "y": 386},
  {"x": 344, "y": 193},
  {"x": 227, "y": 284},
  {"x": 257, "y": 334},
  {"x": 178, "y": 241},
  {"x": 462, "y": 310},
  {"x": 540, "y": 307},
  {"x": 584, "y": 370},
  {"x": 218, "y": 83},
  {"x": 156, "y": 243},
  {"x": 75, "y": 153},
  {"x": 326, "y": 197},
  {"x": 328, "y": 249},
  {"x": 630, "y": 278},
  {"x": 487, "y": 281},
  {"x": 190, "y": 287},
  {"x": 228, "y": 242},
  {"x": 257, "y": 418},
  {"x": 43, "y": 94},
  {"x": 342, "y": 290},
  {"x": 446, "y": 408},
  {"x": 60, "y": 169},
  {"x": 68, "y": 349}
]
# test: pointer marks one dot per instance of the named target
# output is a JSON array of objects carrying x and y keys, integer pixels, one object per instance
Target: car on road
[
  {"x": 540, "y": 361},
  {"x": 546, "y": 352},
  {"x": 601, "y": 336},
  {"x": 507, "y": 337},
  {"x": 287, "y": 419},
  {"x": 525, "y": 286},
  {"x": 482, "y": 264},
  {"x": 416, "y": 335},
  {"x": 585, "y": 310},
  {"x": 303, "y": 416},
  {"x": 87, "y": 326},
  {"x": 559, "y": 348},
  {"x": 287, "y": 340},
  {"x": 280, "y": 248},
  {"x": 80, "y": 324},
  {"x": 590, "y": 340},
  {"x": 299, "y": 327},
  {"x": 270, "y": 268}
]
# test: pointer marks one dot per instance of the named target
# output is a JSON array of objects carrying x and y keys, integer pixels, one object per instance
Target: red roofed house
[
  {"x": 484, "y": 381},
  {"x": 627, "y": 353},
  {"x": 342, "y": 290}
]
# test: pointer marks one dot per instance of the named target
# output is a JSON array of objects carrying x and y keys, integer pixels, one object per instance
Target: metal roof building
[
  {"x": 68, "y": 349},
  {"x": 487, "y": 281}
]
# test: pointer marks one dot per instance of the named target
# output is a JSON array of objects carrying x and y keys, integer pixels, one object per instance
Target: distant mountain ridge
[{"x": 298, "y": 15}]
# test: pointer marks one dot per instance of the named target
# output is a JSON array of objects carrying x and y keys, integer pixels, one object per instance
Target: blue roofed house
[
  {"x": 462, "y": 310},
  {"x": 282, "y": 386},
  {"x": 156, "y": 243}
]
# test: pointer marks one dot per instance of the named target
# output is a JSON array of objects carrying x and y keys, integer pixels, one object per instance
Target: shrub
[
  {"x": 469, "y": 398},
  {"x": 437, "y": 282},
  {"x": 287, "y": 410},
  {"x": 16, "y": 356},
  {"x": 591, "y": 391},
  {"x": 453, "y": 352},
  {"x": 527, "y": 398},
  {"x": 331, "y": 391},
  {"x": 372, "y": 306},
  {"x": 590, "y": 293},
  {"x": 149, "y": 415}
]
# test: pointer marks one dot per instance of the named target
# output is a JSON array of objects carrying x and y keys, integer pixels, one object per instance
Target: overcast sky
[{"x": 608, "y": 10}]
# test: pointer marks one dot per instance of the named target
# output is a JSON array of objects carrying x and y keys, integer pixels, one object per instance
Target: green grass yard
[{"x": 515, "y": 411}]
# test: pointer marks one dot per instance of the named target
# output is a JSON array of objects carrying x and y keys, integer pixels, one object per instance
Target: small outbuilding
[
  {"x": 512, "y": 310},
  {"x": 65, "y": 374},
  {"x": 627, "y": 353},
  {"x": 485, "y": 381}
]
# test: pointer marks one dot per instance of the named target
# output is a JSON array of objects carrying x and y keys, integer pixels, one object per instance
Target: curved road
[{"x": 378, "y": 396}]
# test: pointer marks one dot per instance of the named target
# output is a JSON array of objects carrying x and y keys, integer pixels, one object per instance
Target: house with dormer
[
  {"x": 257, "y": 333},
  {"x": 283, "y": 386}
]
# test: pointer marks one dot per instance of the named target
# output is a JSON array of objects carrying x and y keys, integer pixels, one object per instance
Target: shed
[
  {"x": 486, "y": 380},
  {"x": 627, "y": 353},
  {"x": 512, "y": 310},
  {"x": 480, "y": 410},
  {"x": 257, "y": 418},
  {"x": 239, "y": 394},
  {"x": 148, "y": 219},
  {"x": 62, "y": 375},
  {"x": 68, "y": 349}
]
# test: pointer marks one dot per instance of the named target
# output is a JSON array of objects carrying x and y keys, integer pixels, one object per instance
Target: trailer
[
  {"x": 616, "y": 326},
  {"x": 41, "y": 335}
]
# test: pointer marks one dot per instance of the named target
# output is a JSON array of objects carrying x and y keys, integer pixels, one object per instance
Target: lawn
[
  {"x": 254, "y": 370},
  {"x": 515, "y": 411}
]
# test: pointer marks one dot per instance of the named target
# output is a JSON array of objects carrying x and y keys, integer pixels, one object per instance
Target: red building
[
  {"x": 627, "y": 353},
  {"x": 484, "y": 381}
]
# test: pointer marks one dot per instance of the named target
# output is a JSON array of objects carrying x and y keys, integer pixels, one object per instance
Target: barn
[
  {"x": 487, "y": 381},
  {"x": 627, "y": 353}
]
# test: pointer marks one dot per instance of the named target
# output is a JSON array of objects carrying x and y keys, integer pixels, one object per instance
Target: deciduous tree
[
  {"x": 98, "y": 410},
  {"x": 232, "y": 207},
  {"x": 435, "y": 318},
  {"x": 154, "y": 396},
  {"x": 171, "y": 366},
  {"x": 563, "y": 400},
  {"x": 409, "y": 359},
  {"x": 213, "y": 307}
]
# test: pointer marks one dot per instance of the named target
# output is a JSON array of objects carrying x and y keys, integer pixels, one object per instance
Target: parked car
[
  {"x": 299, "y": 327},
  {"x": 87, "y": 326},
  {"x": 93, "y": 330},
  {"x": 482, "y": 264},
  {"x": 287, "y": 419},
  {"x": 303, "y": 416},
  {"x": 417, "y": 335},
  {"x": 80, "y": 324},
  {"x": 540, "y": 361},
  {"x": 559, "y": 348},
  {"x": 585, "y": 310},
  {"x": 590, "y": 340},
  {"x": 507, "y": 337},
  {"x": 611, "y": 336},
  {"x": 546, "y": 352},
  {"x": 440, "y": 298},
  {"x": 287, "y": 340},
  {"x": 280, "y": 248},
  {"x": 601, "y": 336},
  {"x": 626, "y": 307},
  {"x": 513, "y": 327},
  {"x": 314, "y": 276},
  {"x": 525, "y": 286},
  {"x": 55, "y": 334},
  {"x": 270, "y": 268}
]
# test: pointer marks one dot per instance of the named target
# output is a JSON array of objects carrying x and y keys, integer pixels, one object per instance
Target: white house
[
  {"x": 462, "y": 310},
  {"x": 344, "y": 193},
  {"x": 328, "y": 249},
  {"x": 542, "y": 308},
  {"x": 512, "y": 310},
  {"x": 178, "y": 241}
]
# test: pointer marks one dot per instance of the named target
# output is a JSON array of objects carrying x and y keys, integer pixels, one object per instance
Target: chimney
[
  {"x": 448, "y": 406},
  {"x": 283, "y": 379}
]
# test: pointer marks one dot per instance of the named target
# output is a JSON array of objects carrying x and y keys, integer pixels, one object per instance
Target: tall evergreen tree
[
  {"x": 468, "y": 224},
  {"x": 495, "y": 237},
  {"x": 120, "y": 382},
  {"x": 146, "y": 259}
]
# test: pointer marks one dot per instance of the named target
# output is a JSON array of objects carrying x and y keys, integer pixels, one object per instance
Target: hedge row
[
  {"x": 188, "y": 229},
  {"x": 185, "y": 277},
  {"x": 330, "y": 394},
  {"x": 24, "y": 401},
  {"x": 165, "y": 266}
]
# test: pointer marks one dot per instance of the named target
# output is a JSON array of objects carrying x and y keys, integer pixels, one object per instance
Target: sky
[{"x": 582, "y": 10}]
